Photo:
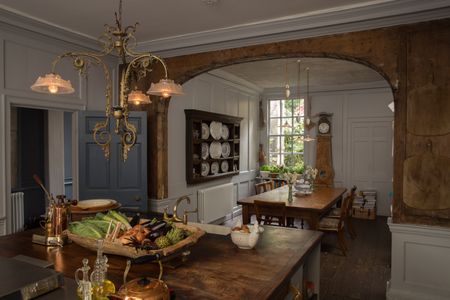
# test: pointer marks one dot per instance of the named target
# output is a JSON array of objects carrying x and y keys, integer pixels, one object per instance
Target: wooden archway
[{"x": 394, "y": 52}]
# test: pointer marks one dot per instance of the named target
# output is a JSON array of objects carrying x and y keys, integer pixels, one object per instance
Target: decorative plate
[
  {"x": 215, "y": 168},
  {"x": 226, "y": 149},
  {"x": 205, "y": 131},
  {"x": 215, "y": 129},
  {"x": 205, "y": 150},
  {"x": 225, "y": 132},
  {"x": 224, "y": 166},
  {"x": 215, "y": 150},
  {"x": 205, "y": 168}
]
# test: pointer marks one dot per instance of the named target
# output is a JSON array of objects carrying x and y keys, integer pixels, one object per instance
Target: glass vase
[{"x": 290, "y": 198}]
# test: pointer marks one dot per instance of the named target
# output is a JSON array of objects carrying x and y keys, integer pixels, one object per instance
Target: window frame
[{"x": 281, "y": 155}]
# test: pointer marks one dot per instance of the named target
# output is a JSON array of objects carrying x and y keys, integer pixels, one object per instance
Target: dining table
[{"x": 309, "y": 207}]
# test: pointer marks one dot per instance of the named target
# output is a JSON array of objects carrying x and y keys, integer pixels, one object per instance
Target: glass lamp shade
[
  {"x": 165, "y": 88},
  {"x": 287, "y": 91},
  {"x": 52, "y": 84},
  {"x": 307, "y": 138},
  {"x": 137, "y": 97}
]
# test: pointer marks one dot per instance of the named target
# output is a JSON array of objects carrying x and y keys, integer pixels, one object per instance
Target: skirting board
[{"x": 420, "y": 263}]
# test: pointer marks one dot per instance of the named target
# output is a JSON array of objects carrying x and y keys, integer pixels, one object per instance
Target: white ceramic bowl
[{"x": 246, "y": 240}]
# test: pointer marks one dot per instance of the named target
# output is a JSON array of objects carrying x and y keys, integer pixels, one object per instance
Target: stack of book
[{"x": 364, "y": 205}]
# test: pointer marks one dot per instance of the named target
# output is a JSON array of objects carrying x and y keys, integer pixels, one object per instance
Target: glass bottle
[
  {"x": 101, "y": 287},
  {"x": 84, "y": 290}
]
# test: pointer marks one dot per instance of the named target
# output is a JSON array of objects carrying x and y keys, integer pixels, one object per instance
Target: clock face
[{"x": 324, "y": 127}]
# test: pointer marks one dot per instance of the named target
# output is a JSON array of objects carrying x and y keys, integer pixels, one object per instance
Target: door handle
[{"x": 137, "y": 198}]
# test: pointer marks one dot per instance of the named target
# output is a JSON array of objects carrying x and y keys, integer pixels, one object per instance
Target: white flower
[{"x": 290, "y": 178}]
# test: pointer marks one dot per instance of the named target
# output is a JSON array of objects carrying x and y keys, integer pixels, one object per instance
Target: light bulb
[
  {"x": 165, "y": 94},
  {"x": 288, "y": 92},
  {"x": 53, "y": 89},
  {"x": 137, "y": 102}
]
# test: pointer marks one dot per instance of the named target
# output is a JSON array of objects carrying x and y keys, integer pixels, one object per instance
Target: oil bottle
[{"x": 101, "y": 286}]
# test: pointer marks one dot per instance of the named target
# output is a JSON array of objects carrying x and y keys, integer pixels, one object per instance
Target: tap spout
[{"x": 175, "y": 208}]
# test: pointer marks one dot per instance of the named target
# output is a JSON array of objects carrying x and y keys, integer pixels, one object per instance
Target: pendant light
[{"x": 309, "y": 124}]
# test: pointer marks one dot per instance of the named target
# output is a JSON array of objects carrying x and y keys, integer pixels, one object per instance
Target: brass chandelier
[{"x": 121, "y": 41}]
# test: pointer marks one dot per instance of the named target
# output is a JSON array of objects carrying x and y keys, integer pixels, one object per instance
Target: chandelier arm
[
  {"x": 101, "y": 134},
  {"x": 138, "y": 56},
  {"x": 128, "y": 138}
]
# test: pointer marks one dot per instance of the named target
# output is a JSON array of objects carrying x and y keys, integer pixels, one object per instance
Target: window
[{"x": 286, "y": 131}]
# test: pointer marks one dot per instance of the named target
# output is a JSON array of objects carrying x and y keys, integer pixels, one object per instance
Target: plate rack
[{"x": 198, "y": 161}]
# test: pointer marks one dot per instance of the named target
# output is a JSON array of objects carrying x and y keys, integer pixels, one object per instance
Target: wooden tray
[{"x": 118, "y": 249}]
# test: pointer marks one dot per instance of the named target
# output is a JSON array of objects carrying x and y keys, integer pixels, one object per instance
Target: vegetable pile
[{"x": 149, "y": 235}]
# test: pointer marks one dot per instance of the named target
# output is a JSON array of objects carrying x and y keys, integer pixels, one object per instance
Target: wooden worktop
[{"x": 216, "y": 268}]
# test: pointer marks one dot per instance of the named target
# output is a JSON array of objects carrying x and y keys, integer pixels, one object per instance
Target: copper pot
[{"x": 143, "y": 288}]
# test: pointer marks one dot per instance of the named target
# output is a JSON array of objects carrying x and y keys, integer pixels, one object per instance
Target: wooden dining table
[{"x": 309, "y": 207}]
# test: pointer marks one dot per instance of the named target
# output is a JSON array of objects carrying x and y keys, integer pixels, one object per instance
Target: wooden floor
[{"x": 363, "y": 273}]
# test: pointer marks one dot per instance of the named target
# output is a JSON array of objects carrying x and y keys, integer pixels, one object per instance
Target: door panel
[
  {"x": 125, "y": 182},
  {"x": 370, "y": 159}
]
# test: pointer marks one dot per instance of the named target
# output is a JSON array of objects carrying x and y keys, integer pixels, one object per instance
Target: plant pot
[{"x": 264, "y": 174}]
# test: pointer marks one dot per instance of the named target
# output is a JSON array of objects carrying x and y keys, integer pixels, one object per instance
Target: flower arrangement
[
  {"x": 290, "y": 178},
  {"x": 311, "y": 173}
]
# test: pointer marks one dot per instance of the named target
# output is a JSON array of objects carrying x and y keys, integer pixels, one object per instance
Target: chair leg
[
  {"x": 350, "y": 228},
  {"x": 341, "y": 239}
]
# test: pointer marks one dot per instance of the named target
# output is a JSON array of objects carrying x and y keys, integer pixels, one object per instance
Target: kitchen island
[{"x": 215, "y": 269}]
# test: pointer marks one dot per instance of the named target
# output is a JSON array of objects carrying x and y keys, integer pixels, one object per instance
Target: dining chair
[
  {"x": 263, "y": 187},
  {"x": 336, "y": 213},
  {"x": 336, "y": 225},
  {"x": 270, "y": 213}
]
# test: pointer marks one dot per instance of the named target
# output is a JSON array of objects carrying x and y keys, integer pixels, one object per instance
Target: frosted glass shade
[
  {"x": 165, "y": 88},
  {"x": 137, "y": 97},
  {"x": 52, "y": 84}
]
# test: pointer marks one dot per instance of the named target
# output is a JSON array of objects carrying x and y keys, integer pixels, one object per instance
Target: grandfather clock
[{"x": 324, "y": 158}]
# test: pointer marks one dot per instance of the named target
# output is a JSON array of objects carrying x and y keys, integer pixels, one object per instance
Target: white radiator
[
  {"x": 17, "y": 212},
  {"x": 215, "y": 202}
]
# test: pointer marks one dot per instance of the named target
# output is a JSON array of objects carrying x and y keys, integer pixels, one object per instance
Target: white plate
[
  {"x": 224, "y": 166},
  {"x": 225, "y": 132},
  {"x": 205, "y": 131},
  {"x": 226, "y": 149},
  {"x": 215, "y": 150},
  {"x": 215, "y": 168},
  {"x": 215, "y": 129},
  {"x": 93, "y": 203},
  {"x": 205, "y": 150},
  {"x": 205, "y": 168}
]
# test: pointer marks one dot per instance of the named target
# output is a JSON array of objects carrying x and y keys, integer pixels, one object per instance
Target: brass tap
[{"x": 175, "y": 208}]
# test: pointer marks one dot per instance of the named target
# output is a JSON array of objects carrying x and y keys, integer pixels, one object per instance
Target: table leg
[
  {"x": 314, "y": 222},
  {"x": 245, "y": 215}
]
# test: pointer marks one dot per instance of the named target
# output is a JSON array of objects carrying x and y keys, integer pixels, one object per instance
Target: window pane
[
  {"x": 273, "y": 159},
  {"x": 286, "y": 106},
  {"x": 293, "y": 159},
  {"x": 297, "y": 143},
  {"x": 274, "y": 108},
  {"x": 298, "y": 126},
  {"x": 298, "y": 107},
  {"x": 274, "y": 144},
  {"x": 286, "y": 126},
  {"x": 287, "y": 144},
  {"x": 274, "y": 127}
]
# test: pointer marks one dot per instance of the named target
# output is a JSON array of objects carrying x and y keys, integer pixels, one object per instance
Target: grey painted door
[{"x": 115, "y": 179}]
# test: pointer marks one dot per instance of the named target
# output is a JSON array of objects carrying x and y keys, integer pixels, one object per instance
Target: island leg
[{"x": 245, "y": 214}]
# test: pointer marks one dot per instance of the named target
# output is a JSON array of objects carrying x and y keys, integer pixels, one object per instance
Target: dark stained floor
[{"x": 363, "y": 273}]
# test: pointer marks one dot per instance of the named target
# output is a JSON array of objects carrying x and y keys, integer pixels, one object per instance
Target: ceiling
[
  {"x": 323, "y": 73},
  {"x": 177, "y": 27},
  {"x": 168, "y": 18}
]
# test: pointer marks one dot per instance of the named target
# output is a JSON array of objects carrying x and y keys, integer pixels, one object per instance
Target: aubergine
[
  {"x": 156, "y": 226},
  {"x": 153, "y": 235},
  {"x": 135, "y": 220}
]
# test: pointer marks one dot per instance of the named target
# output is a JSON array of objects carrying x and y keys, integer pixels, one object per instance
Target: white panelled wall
[
  {"x": 23, "y": 57},
  {"x": 362, "y": 136},
  {"x": 213, "y": 94}
]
